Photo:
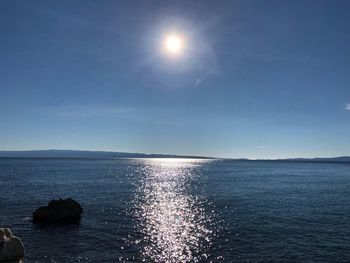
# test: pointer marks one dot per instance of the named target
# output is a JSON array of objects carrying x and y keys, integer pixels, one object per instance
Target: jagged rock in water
[
  {"x": 60, "y": 211},
  {"x": 11, "y": 247}
]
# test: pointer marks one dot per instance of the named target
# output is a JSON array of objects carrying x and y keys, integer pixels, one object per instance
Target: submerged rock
[
  {"x": 11, "y": 247},
  {"x": 61, "y": 211}
]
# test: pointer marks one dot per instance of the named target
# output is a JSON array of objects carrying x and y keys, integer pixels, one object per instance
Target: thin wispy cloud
[
  {"x": 85, "y": 111},
  {"x": 347, "y": 106},
  {"x": 262, "y": 147},
  {"x": 139, "y": 114},
  {"x": 210, "y": 73},
  {"x": 197, "y": 82}
]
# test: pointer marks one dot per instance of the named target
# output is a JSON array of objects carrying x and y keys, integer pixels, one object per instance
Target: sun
[{"x": 173, "y": 44}]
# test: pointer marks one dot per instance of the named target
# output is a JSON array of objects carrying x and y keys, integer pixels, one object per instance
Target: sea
[{"x": 181, "y": 210}]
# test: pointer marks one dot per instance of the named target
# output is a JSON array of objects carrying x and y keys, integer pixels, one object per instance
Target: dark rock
[
  {"x": 65, "y": 211},
  {"x": 11, "y": 247}
]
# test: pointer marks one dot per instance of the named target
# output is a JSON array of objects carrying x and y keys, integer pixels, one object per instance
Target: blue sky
[{"x": 259, "y": 79}]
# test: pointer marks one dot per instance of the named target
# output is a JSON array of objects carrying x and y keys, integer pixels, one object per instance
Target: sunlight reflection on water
[{"x": 171, "y": 217}]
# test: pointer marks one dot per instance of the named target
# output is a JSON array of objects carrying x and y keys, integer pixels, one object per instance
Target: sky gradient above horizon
[{"x": 257, "y": 79}]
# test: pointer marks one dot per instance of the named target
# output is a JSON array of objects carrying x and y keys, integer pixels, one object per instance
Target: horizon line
[{"x": 177, "y": 155}]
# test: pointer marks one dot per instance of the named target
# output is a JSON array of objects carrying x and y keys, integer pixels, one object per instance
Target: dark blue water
[{"x": 176, "y": 210}]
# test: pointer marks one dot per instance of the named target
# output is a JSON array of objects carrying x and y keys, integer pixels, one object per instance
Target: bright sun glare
[{"x": 173, "y": 44}]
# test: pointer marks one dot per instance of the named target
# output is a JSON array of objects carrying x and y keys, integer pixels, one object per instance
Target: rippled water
[
  {"x": 173, "y": 220},
  {"x": 181, "y": 210}
]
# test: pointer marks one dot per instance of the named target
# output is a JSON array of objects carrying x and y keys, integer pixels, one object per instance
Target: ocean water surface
[{"x": 181, "y": 210}]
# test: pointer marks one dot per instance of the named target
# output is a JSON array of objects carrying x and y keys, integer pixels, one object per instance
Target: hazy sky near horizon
[{"x": 257, "y": 79}]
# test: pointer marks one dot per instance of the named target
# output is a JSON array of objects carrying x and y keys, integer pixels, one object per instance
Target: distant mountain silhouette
[
  {"x": 330, "y": 159},
  {"x": 113, "y": 155},
  {"x": 87, "y": 154}
]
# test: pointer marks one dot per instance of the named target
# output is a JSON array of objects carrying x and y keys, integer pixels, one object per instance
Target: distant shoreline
[
  {"x": 77, "y": 154},
  {"x": 106, "y": 155}
]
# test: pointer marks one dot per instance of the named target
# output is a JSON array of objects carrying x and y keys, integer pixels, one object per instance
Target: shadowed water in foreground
[{"x": 181, "y": 210}]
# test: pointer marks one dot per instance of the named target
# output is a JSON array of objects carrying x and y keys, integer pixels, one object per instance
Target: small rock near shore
[{"x": 65, "y": 211}]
